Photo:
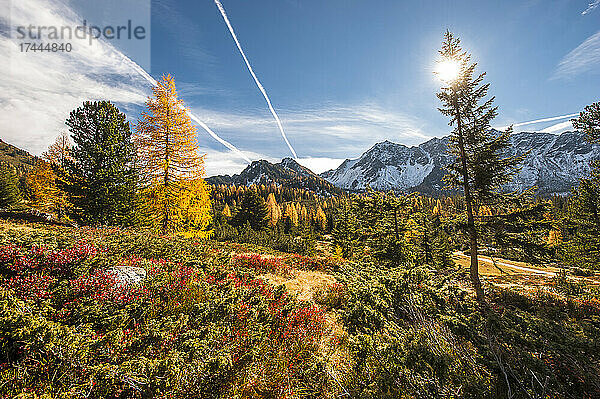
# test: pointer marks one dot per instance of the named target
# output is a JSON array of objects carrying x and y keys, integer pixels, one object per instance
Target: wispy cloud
[
  {"x": 329, "y": 131},
  {"x": 584, "y": 58},
  {"x": 558, "y": 127},
  {"x": 537, "y": 121},
  {"x": 219, "y": 162},
  {"x": 37, "y": 91},
  {"x": 591, "y": 7}
]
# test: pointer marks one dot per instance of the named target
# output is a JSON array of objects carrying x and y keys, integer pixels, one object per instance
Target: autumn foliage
[{"x": 175, "y": 197}]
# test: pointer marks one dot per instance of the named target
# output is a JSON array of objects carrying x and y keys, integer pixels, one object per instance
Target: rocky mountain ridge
[{"x": 553, "y": 164}]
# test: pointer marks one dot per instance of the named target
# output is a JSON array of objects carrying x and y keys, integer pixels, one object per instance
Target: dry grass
[
  {"x": 488, "y": 269},
  {"x": 517, "y": 274},
  {"x": 303, "y": 283},
  {"x": 332, "y": 349}
]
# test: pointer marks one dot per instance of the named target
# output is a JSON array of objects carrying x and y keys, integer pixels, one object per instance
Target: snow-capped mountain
[
  {"x": 554, "y": 164},
  {"x": 287, "y": 173}
]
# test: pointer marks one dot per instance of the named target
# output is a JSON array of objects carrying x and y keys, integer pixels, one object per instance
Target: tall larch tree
[
  {"x": 478, "y": 167},
  {"x": 59, "y": 151},
  {"x": 43, "y": 182},
  {"x": 321, "y": 219},
  {"x": 274, "y": 210},
  {"x": 226, "y": 211},
  {"x": 44, "y": 193},
  {"x": 291, "y": 214},
  {"x": 176, "y": 198}
]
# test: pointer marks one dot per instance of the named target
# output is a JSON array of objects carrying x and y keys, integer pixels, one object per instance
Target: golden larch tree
[
  {"x": 292, "y": 214},
  {"x": 303, "y": 214},
  {"x": 42, "y": 180},
  {"x": 59, "y": 152},
  {"x": 44, "y": 193},
  {"x": 321, "y": 219},
  {"x": 176, "y": 198},
  {"x": 274, "y": 210}
]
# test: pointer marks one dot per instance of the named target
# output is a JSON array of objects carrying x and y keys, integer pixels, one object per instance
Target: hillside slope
[{"x": 20, "y": 159}]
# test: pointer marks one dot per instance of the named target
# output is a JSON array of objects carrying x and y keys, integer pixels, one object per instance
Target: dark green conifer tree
[
  {"x": 479, "y": 168},
  {"x": 10, "y": 195},
  {"x": 589, "y": 122},
  {"x": 99, "y": 177},
  {"x": 252, "y": 210},
  {"x": 345, "y": 230},
  {"x": 382, "y": 219},
  {"x": 584, "y": 206}
]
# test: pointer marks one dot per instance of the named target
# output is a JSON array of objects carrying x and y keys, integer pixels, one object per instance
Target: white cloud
[
  {"x": 319, "y": 165},
  {"x": 332, "y": 131},
  {"x": 38, "y": 90},
  {"x": 558, "y": 128},
  {"x": 584, "y": 58}
]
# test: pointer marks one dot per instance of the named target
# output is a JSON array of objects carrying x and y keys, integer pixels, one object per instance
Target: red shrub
[
  {"x": 104, "y": 286},
  {"x": 35, "y": 287}
]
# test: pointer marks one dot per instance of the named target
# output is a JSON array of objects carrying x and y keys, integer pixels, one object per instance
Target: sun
[{"x": 447, "y": 70}]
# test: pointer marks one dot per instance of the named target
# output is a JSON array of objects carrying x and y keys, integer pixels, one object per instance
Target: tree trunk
[
  {"x": 165, "y": 225},
  {"x": 474, "y": 268},
  {"x": 427, "y": 247},
  {"x": 396, "y": 231}
]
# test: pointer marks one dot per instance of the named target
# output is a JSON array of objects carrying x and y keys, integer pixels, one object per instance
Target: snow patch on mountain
[{"x": 553, "y": 164}]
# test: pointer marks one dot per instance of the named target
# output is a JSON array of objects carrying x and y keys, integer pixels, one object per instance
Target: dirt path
[
  {"x": 303, "y": 283},
  {"x": 487, "y": 268}
]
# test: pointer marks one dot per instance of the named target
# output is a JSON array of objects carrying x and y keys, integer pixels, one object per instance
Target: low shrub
[
  {"x": 332, "y": 296},
  {"x": 71, "y": 327}
]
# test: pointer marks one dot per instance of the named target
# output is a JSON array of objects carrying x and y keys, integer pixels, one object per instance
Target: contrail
[
  {"x": 591, "y": 7},
  {"x": 260, "y": 86},
  {"x": 553, "y": 118},
  {"x": 203, "y": 125}
]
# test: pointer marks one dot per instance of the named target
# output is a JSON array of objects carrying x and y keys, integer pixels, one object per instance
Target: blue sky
[{"x": 344, "y": 74}]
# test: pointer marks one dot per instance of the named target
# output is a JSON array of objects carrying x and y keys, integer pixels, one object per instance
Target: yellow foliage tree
[
  {"x": 554, "y": 238},
  {"x": 321, "y": 219},
  {"x": 58, "y": 152},
  {"x": 45, "y": 195},
  {"x": 303, "y": 214},
  {"x": 274, "y": 210},
  {"x": 292, "y": 214},
  {"x": 176, "y": 198},
  {"x": 226, "y": 211}
]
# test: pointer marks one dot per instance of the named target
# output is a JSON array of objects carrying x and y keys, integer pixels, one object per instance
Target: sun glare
[{"x": 447, "y": 70}]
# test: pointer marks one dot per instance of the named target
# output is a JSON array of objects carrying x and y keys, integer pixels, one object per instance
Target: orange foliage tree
[
  {"x": 176, "y": 198},
  {"x": 45, "y": 193}
]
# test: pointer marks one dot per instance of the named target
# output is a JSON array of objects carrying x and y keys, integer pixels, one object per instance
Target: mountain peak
[
  {"x": 289, "y": 161},
  {"x": 553, "y": 163},
  {"x": 287, "y": 173}
]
